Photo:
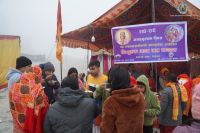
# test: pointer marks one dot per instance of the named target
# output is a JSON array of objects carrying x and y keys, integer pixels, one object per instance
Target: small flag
[{"x": 59, "y": 48}]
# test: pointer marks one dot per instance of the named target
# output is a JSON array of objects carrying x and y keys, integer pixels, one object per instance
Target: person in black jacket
[
  {"x": 73, "y": 112},
  {"x": 50, "y": 82}
]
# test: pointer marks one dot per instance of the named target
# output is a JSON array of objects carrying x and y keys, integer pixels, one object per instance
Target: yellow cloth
[
  {"x": 96, "y": 81},
  {"x": 10, "y": 50},
  {"x": 59, "y": 48},
  {"x": 188, "y": 105},
  {"x": 184, "y": 98}
]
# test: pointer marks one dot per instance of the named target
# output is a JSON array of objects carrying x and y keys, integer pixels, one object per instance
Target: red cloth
[
  {"x": 40, "y": 120},
  {"x": 132, "y": 81},
  {"x": 29, "y": 124},
  {"x": 152, "y": 84},
  {"x": 112, "y": 60},
  {"x": 33, "y": 124},
  {"x": 155, "y": 123},
  {"x": 105, "y": 63},
  {"x": 183, "y": 76},
  {"x": 188, "y": 85},
  {"x": 166, "y": 129}
]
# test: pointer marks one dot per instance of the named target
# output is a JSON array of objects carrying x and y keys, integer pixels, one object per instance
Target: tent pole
[
  {"x": 103, "y": 59},
  {"x": 153, "y": 11},
  {"x": 60, "y": 72},
  {"x": 87, "y": 54},
  {"x": 153, "y": 21}
]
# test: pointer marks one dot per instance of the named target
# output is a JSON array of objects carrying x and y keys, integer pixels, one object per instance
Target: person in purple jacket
[{"x": 195, "y": 125}]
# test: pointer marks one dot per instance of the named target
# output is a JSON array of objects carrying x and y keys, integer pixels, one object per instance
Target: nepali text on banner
[{"x": 152, "y": 42}]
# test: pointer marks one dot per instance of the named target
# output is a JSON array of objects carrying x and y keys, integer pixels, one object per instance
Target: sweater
[
  {"x": 123, "y": 112},
  {"x": 165, "y": 117},
  {"x": 152, "y": 105},
  {"x": 194, "y": 128},
  {"x": 13, "y": 76}
]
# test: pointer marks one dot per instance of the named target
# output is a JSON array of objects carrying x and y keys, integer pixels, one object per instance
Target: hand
[
  {"x": 49, "y": 77},
  {"x": 43, "y": 81},
  {"x": 51, "y": 82},
  {"x": 90, "y": 93},
  {"x": 103, "y": 86}
]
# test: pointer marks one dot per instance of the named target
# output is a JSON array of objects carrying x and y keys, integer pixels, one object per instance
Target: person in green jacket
[{"x": 152, "y": 105}]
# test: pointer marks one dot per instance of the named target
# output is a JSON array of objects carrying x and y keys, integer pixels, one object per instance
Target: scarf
[
  {"x": 28, "y": 102},
  {"x": 184, "y": 98},
  {"x": 188, "y": 87}
]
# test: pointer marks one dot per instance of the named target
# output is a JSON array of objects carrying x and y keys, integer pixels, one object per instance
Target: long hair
[
  {"x": 119, "y": 78},
  {"x": 72, "y": 70}
]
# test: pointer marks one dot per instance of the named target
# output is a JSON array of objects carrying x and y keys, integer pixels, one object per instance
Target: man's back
[
  {"x": 165, "y": 117},
  {"x": 74, "y": 115}
]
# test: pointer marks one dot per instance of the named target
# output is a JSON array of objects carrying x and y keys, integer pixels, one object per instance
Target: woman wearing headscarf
[
  {"x": 28, "y": 102},
  {"x": 152, "y": 108}
]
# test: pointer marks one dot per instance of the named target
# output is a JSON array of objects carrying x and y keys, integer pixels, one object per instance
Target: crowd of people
[{"x": 121, "y": 101}]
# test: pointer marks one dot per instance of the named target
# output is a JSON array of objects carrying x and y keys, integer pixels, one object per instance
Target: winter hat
[
  {"x": 41, "y": 66},
  {"x": 196, "y": 102},
  {"x": 185, "y": 76},
  {"x": 22, "y": 61},
  {"x": 49, "y": 67}
]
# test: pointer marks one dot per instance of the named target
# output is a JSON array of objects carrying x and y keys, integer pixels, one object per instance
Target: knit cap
[
  {"x": 49, "y": 67},
  {"x": 22, "y": 61}
]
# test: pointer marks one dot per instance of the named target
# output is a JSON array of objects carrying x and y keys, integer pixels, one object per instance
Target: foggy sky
[{"x": 35, "y": 22}]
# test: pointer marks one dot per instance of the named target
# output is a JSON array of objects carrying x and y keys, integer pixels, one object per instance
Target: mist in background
[{"x": 35, "y": 22}]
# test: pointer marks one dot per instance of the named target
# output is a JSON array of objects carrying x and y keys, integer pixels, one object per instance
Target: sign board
[{"x": 153, "y": 42}]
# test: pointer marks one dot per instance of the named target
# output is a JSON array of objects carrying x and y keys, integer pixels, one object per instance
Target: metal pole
[
  {"x": 103, "y": 59},
  {"x": 61, "y": 71},
  {"x": 87, "y": 54},
  {"x": 153, "y": 11},
  {"x": 153, "y": 21}
]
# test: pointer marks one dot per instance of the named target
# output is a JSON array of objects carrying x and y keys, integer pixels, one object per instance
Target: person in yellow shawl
[
  {"x": 28, "y": 102},
  {"x": 173, "y": 102}
]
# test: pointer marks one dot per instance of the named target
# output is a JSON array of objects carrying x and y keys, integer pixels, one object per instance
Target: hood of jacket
[
  {"x": 128, "y": 97},
  {"x": 69, "y": 97},
  {"x": 12, "y": 72},
  {"x": 143, "y": 79}
]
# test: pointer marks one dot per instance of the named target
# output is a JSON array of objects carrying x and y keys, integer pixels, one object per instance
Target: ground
[{"x": 5, "y": 115}]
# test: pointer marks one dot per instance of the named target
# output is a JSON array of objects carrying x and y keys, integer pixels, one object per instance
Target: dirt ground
[{"x": 5, "y": 115}]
